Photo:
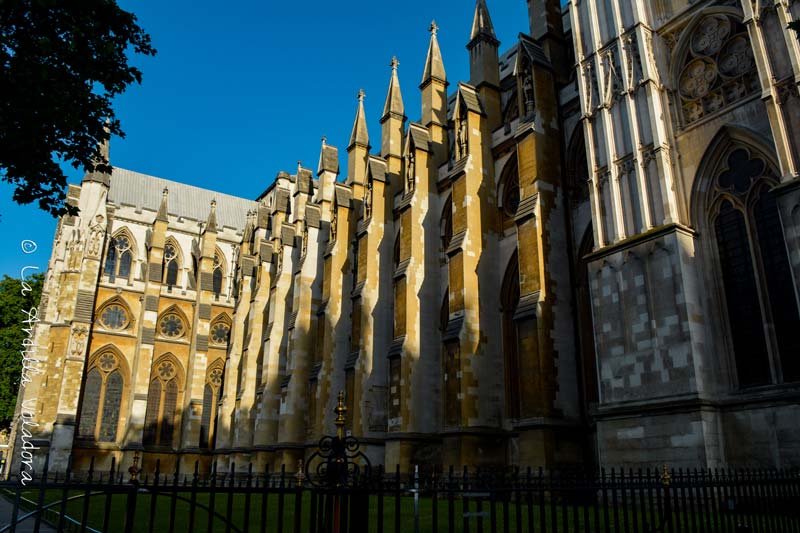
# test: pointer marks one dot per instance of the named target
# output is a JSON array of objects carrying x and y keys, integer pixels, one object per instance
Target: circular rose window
[
  {"x": 171, "y": 326},
  {"x": 114, "y": 317},
  {"x": 219, "y": 333}
]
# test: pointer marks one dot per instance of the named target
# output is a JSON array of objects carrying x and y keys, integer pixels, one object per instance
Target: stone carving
[
  {"x": 612, "y": 80},
  {"x": 709, "y": 36},
  {"x": 79, "y": 335},
  {"x": 718, "y": 67},
  {"x": 588, "y": 78},
  {"x": 633, "y": 64},
  {"x": 410, "y": 170},
  {"x": 461, "y": 137},
  {"x": 96, "y": 236},
  {"x": 367, "y": 208},
  {"x": 528, "y": 100},
  {"x": 75, "y": 251}
]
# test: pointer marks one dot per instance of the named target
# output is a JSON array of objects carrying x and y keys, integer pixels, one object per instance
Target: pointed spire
[
  {"x": 211, "y": 224},
  {"x": 162, "y": 209},
  {"x": 359, "y": 134},
  {"x": 482, "y": 23},
  {"x": 394, "y": 98},
  {"x": 102, "y": 170},
  {"x": 434, "y": 66}
]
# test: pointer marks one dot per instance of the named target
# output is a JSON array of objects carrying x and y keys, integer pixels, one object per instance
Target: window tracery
[
  {"x": 718, "y": 67},
  {"x": 114, "y": 316},
  {"x": 220, "y": 331},
  {"x": 211, "y": 394},
  {"x": 171, "y": 326},
  {"x": 762, "y": 316},
  {"x": 217, "y": 275},
  {"x": 119, "y": 258},
  {"x": 161, "y": 417},
  {"x": 102, "y": 399},
  {"x": 171, "y": 264}
]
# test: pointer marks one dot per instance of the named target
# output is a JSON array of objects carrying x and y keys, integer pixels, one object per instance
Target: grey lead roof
[{"x": 145, "y": 192}]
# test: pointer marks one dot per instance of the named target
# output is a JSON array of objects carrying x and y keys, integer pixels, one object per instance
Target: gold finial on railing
[
  {"x": 666, "y": 478},
  {"x": 134, "y": 469},
  {"x": 341, "y": 418},
  {"x": 300, "y": 476}
]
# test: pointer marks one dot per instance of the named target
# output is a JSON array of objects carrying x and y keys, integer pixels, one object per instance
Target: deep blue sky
[{"x": 239, "y": 92}]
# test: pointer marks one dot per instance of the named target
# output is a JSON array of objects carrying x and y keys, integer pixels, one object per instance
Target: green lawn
[{"x": 571, "y": 520}]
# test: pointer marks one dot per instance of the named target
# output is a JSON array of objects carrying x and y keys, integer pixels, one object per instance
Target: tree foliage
[
  {"x": 61, "y": 64},
  {"x": 16, "y": 301}
]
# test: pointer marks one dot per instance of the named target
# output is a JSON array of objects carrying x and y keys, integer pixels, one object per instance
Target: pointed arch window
[
  {"x": 161, "y": 417},
  {"x": 119, "y": 258},
  {"x": 509, "y": 299},
  {"x": 509, "y": 192},
  {"x": 211, "y": 394},
  {"x": 217, "y": 276},
  {"x": 762, "y": 310},
  {"x": 446, "y": 224},
  {"x": 171, "y": 264},
  {"x": 102, "y": 399}
]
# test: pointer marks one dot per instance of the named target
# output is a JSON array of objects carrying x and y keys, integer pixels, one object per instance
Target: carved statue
[
  {"x": 368, "y": 201},
  {"x": 410, "y": 170},
  {"x": 96, "y": 239},
  {"x": 527, "y": 90},
  {"x": 461, "y": 138}
]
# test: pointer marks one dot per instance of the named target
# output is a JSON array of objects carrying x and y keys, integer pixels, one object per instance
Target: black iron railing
[{"x": 336, "y": 490}]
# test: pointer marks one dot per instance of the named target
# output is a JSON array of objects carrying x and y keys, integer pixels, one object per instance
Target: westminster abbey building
[{"x": 586, "y": 254}]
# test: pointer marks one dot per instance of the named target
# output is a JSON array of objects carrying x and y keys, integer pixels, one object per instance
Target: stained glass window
[
  {"x": 111, "y": 404},
  {"x": 114, "y": 317},
  {"x": 119, "y": 258},
  {"x": 762, "y": 309},
  {"x": 171, "y": 326},
  {"x": 168, "y": 416},
  {"x": 102, "y": 397},
  {"x": 151, "y": 416},
  {"x": 744, "y": 308},
  {"x": 205, "y": 421},
  {"x": 170, "y": 265},
  {"x": 219, "y": 333},
  {"x": 91, "y": 401},
  {"x": 217, "y": 281},
  {"x": 778, "y": 275}
]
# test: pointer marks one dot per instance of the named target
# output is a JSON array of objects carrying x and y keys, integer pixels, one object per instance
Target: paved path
[{"x": 7, "y": 507}]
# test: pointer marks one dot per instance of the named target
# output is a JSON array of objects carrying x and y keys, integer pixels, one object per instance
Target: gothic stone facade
[{"x": 590, "y": 253}]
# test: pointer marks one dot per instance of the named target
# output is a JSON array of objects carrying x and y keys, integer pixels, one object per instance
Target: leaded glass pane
[
  {"x": 114, "y": 317},
  {"x": 125, "y": 261},
  {"x": 778, "y": 275},
  {"x": 171, "y": 326},
  {"x": 741, "y": 172},
  {"x": 168, "y": 418},
  {"x": 151, "y": 415},
  {"x": 744, "y": 308},
  {"x": 172, "y": 273},
  {"x": 219, "y": 333},
  {"x": 111, "y": 261},
  {"x": 91, "y": 400},
  {"x": 217, "y": 281},
  {"x": 113, "y": 399},
  {"x": 205, "y": 421}
]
